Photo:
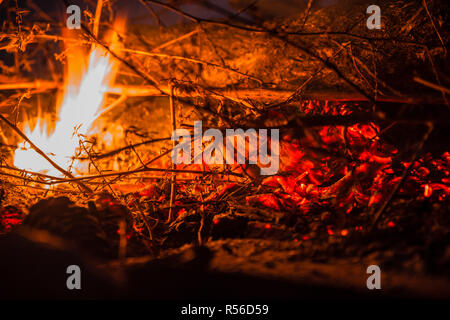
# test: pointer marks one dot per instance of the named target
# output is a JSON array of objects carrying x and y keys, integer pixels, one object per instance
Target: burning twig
[
  {"x": 38, "y": 84},
  {"x": 98, "y": 12}
]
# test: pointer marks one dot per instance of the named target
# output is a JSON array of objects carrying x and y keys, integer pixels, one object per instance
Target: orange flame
[{"x": 79, "y": 109}]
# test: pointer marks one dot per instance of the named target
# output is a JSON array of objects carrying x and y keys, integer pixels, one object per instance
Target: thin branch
[
  {"x": 24, "y": 178},
  {"x": 98, "y": 13},
  {"x": 146, "y": 169},
  {"x": 405, "y": 174},
  {"x": 200, "y": 20},
  {"x": 168, "y": 43},
  {"x": 431, "y": 85},
  {"x": 173, "y": 180},
  {"x": 128, "y": 147},
  {"x": 95, "y": 165},
  {"x": 42, "y": 175},
  {"x": 155, "y": 16},
  {"x": 308, "y": 10},
  {"x": 434, "y": 26}
]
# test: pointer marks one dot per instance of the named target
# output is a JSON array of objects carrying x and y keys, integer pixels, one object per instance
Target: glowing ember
[{"x": 79, "y": 108}]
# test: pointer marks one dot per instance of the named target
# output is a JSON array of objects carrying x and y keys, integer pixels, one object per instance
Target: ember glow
[{"x": 79, "y": 109}]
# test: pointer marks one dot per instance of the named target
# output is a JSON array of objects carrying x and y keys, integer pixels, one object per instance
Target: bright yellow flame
[{"x": 80, "y": 107}]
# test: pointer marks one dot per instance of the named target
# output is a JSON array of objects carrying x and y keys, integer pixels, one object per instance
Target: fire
[{"x": 79, "y": 109}]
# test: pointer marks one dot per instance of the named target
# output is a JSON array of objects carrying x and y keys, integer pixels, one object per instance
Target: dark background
[{"x": 136, "y": 11}]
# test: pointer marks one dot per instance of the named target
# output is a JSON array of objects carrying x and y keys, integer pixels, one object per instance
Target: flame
[{"x": 79, "y": 109}]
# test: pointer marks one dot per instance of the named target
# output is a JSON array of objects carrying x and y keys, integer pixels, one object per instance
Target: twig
[
  {"x": 403, "y": 177},
  {"x": 308, "y": 10},
  {"x": 146, "y": 169},
  {"x": 128, "y": 147},
  {"x": 95, "y": 165},
  {"x": 155, "y": 16},
  {"x": 38, "y": 84},
  {"x": 168, "y": 43},
  {"x": 43, "y": 189},
  {"x": 201, "y": 238},
  {"x": 117, "y": 102},
  {"x": 98, "y": 13},
  {"x": 200, "y": 20},
  {"x": 174, "y": 144},
  {"x": 25, "y": 178},
  {"x": 409, "y": 25},
  {"x": 431, "y": 85},
  {"x": 434, "y": 26},
  {"x": 42, "y": 175},
  {"x": 374, "y": 75}
]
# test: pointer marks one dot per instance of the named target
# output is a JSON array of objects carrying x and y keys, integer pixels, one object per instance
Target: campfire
[
  {"x": 241, "y": 146},
  {"x": 80, "y": 107}
]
